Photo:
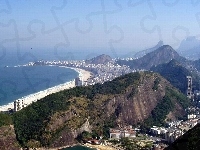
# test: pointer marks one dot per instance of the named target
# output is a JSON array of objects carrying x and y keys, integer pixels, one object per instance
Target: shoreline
[{"x": 41, "y": 94}]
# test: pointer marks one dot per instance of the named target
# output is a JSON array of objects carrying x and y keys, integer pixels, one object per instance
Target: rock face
[
  {"x": 134, "y": 109},
  {"x": 101, "y": 59}
]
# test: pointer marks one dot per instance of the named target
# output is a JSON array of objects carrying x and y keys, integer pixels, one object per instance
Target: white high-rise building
[
  {"x": 189, "y": 88},
  {"x": 78, "y": 81},
  {"x": 18, "y": 105}
]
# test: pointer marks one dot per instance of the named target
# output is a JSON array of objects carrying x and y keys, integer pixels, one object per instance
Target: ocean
[{"x": 17, "y": 82}]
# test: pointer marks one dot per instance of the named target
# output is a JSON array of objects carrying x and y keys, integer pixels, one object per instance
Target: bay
[{"x": 16, "y": 82}]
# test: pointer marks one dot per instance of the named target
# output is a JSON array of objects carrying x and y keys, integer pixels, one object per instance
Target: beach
[
  {"x": 85, "y": 75},
  {"x": 100, "y": 147}
]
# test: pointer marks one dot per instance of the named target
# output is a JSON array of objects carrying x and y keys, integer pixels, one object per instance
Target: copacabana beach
[{"x": 85, "y": 75}]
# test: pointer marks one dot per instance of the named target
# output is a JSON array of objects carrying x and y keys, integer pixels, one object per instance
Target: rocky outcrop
[
  {"x": 67, "y": 137},
  {"x": 136, "y": 104}
]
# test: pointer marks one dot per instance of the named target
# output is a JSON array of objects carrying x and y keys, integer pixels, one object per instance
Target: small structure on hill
[{"x": 119, "y": 133}]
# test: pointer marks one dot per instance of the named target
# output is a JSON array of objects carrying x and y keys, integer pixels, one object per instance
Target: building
[
  {"x": 172, "y": 135},
  {"x": 122, "y": 132},
  {"x": 78, "y": 81},
  {"x": 191, "y": 116},
  {"x": 189, "y": 88},
  {"x": 18, "y": 105},
  {"x": 158, "y": 130}
]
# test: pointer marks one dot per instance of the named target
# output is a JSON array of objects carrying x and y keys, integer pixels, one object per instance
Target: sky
[{"x": 107, "y": 26}]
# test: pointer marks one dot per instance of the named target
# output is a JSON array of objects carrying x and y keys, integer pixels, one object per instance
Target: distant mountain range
[
  {"x": 163, "y": 54},
  {"x": 190, "y": 48},
  {"x": 146, "y": 51},
  {"x": 166, "y": 61}
]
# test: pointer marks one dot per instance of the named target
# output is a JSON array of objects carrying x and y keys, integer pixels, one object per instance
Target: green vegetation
[
  {"x": 167, "y": 104},
  {"x": 5, "y": 119},
  {"x": 176, "y": 75},
  {"x": 32, "y": 123},
  {"x": 44, "y": 122}
]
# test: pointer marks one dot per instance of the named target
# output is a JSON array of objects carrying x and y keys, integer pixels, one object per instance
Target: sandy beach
[
  {"x": 100, "y": 147},
  {"x": 85, "y": 75}
]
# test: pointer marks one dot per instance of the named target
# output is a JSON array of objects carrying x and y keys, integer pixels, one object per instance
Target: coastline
[{"x": 41, "y": 94}]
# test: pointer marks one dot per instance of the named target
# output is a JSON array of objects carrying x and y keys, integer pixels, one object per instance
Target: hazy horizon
[{"x": 112, "y": 27}]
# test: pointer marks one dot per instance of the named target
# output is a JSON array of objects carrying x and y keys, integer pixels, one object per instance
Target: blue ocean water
[{"x": 17, "y": 82}]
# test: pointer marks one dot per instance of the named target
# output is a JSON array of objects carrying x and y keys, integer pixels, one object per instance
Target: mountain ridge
[
  {"x": 189, "y": 48},
  {"x": 161, "y": 55},
  {"x": 129, "y": 99}
]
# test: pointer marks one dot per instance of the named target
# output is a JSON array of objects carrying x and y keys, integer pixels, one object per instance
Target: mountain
[
  {"x": 163, "y": 54},
  {"x": 146, "y": 51},
  {"x": 190, "y": 48},
  {"x": 176, "y": 74},
  {"x": 56, "y": 120},
  {"x": 101, "y": 59},
  {"x": 190, "y": 140}
]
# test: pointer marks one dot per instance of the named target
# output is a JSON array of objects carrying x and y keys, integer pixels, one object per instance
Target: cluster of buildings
[
  {"x": 175, "y": 129},
  {"x": 101, "y": 72},
  {"x": 118, "y": 133}
]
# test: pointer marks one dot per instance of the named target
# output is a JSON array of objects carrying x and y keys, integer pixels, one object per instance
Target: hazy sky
[{"x": 99, "y": 25}]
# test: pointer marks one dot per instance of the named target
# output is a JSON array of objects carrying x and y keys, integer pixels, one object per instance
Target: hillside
[
  {"x": 176, "y": 74},
  {"x": 190, "y": 140},
  {"x": 57, "y": 119},
  {"x": 101, "y": 59},
  {"x": 163, "y": 54}
]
